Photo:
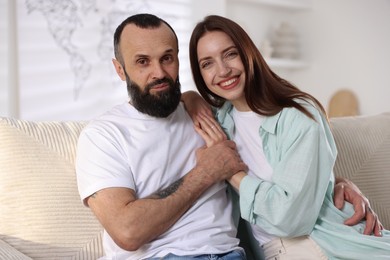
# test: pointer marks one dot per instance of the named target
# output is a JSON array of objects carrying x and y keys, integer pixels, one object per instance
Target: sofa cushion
[
  {"x": 363, "y": 144},
  {"x": 8, "y": 252},
  {"x": 42, "y": 215}
]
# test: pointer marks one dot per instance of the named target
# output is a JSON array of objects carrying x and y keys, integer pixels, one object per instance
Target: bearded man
[{"x": 143, "y": 170}]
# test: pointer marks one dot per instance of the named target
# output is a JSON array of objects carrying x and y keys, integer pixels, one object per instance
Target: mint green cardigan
[{"x": 299, "y": 200}]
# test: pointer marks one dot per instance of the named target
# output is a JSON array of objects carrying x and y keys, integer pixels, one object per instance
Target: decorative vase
[{"x": 285, "y": 42}]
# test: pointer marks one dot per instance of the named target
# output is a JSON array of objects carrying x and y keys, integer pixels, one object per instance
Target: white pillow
[{"x": 41, "y": 214}]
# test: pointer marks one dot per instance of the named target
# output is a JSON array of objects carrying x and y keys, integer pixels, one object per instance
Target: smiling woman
[
  {"x": 221, "y": 67},
  {"x": 283, "y": 134}
]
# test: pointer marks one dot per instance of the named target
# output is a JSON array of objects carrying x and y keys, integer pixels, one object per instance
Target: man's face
[
  {"x": 151, "y": 66},
  {"x": 160, "y": 104}
]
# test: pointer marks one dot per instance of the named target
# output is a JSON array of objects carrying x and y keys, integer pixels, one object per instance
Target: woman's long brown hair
[{"x": 266, "y": 93}]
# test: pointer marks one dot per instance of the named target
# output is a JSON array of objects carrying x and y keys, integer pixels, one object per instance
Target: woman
[{"x": 283, "y": 135}]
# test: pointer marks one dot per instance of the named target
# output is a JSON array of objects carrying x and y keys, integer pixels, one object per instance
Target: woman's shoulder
[
  {"x": 292, "y": 118},
  {"x": 293, "y": 113}
]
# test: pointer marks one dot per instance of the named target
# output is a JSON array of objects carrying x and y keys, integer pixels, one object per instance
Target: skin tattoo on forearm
[
  {"x": 169, "y": 190},
  {"x": 159, "y": 194}
]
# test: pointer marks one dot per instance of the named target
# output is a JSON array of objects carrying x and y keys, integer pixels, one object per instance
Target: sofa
[{"x": 41, "y": 214}]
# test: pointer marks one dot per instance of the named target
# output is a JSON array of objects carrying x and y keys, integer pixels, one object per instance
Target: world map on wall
[{"x": 64, "y": 18}]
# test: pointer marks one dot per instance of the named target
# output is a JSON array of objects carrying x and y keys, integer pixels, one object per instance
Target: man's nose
[{"x": 158, "y": 71}]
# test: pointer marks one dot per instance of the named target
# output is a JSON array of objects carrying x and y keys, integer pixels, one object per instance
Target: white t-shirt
[
  {"x": 125, "y": 148},
  {"x": 250, "y": 148}
]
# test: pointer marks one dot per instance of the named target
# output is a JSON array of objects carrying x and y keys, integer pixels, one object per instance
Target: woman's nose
[{"x": 224, "y": 69}]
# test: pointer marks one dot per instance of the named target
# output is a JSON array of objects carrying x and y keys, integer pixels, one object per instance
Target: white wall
[
  {"x": 346, "y": 43},
  {"x": 56, "y": 64},
  {"x": 4, "y": 106},
  {"x": 349, "y": 47}
]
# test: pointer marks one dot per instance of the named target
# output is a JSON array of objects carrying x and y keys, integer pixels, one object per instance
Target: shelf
[
  {"x": 248, "y": 11},
  {"x": 287, "y": 4},
  {"x": 286, "y": 63}
]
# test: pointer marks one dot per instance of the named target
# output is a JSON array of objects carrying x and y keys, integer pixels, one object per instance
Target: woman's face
[{"x": 221, "y": 67}]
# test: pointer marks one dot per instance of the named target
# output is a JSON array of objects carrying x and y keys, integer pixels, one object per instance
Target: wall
[
  {"x": 346, "y": 44},
  {"x": 57, "y": 55},
  {"x": 4, "y": 106}
]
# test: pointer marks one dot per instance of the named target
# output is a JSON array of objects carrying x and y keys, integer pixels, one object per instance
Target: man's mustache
[{"x": 157, "y": 82}]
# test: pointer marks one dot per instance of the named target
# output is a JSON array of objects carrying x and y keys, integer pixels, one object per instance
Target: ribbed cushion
[
  {"x": 41, "y": 214},
  {"x": 363, "y": 143},
  {"x": 10, "y": 253}
]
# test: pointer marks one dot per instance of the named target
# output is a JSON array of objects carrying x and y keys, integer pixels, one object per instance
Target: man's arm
[
  {"x": 132, "y": 222},
  {"x": 346, "y": 190}
]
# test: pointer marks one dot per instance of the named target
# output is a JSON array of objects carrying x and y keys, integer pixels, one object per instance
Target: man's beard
[{"x": 157, "y": 105}]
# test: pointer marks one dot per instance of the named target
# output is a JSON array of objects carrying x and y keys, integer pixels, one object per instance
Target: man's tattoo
[{"x": 169, "y": 190}]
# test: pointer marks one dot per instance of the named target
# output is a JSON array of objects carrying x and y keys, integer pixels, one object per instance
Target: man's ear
[{"x": 119, "y": 69}]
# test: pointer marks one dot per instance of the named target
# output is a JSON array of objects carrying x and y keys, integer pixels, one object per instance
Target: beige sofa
[{"x": 42, "y": 217}]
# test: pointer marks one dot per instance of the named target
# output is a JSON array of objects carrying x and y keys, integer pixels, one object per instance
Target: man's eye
[
  {"x": 142, "y": 61},
  {"x": 167, "y": 59}
]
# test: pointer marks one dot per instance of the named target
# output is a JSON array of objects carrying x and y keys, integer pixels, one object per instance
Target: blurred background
[{"x": 56, "y": 55}]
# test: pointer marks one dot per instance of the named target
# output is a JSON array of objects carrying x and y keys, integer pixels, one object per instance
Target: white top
[
  {"x": 246, "y": 134},
  {"x": 125, "y": 148}
]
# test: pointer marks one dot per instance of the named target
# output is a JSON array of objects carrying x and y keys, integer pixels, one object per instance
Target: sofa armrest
[{"x": 8, "y": 252}]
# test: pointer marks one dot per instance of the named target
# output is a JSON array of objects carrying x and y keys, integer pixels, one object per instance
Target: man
[
  {"x": 137, "y": 168},
  {"x": 142, "y": 169}
]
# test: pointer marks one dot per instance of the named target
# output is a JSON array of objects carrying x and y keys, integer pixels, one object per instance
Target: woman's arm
[
  {"x": 211, "y": 132},
  {"x": 195, "y": 105}
]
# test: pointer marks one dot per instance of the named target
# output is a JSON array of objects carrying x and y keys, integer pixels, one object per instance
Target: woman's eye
[
  {"x": 205, "y": 65},
  {"x": 232, "y": 54}
]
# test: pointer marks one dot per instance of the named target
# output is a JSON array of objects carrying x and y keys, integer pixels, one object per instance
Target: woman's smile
[{"x": 229, "y": 84}]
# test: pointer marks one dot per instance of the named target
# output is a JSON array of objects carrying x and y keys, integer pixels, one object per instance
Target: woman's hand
[
  {"x": 209, "y": 129},
  {"x": 211, "y": 132},
  {"x": 345, "y": 190},
  {"x": 204, "y": 123},
  {"x": 195, "y": 105},
  {"x": 236, "y": 179}
]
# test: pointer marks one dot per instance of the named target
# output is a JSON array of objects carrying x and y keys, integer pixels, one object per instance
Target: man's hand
[
  {"x": 345, "y": 190},
  {"x": 219, "y": 162}
]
